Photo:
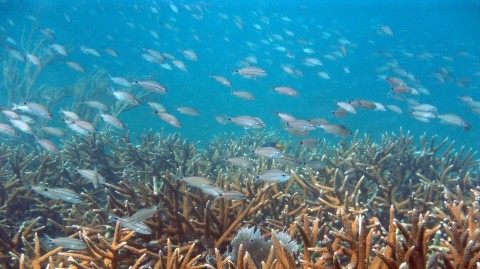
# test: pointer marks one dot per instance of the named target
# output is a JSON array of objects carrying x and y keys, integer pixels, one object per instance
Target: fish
[
  {"x": 157, "y": 107},
  {"x": 169, "y": 118},
  {"x": 7, "y": 130},
  {"x": 386, "y": 30},
  {"x": 222, "y": 80},
  {"x": 50, "y": 33},
  {"x": 212, "y": 190},
  {"x": 59, "y": 49},
  {"x": 93, "y": 104},
  {"x": 64, "y": 194},
  {"x": 21, "y": 126},
  {"x": 273, "y": 176},
  {"x": 241, "y": 162},
  {"x": 195, "y": 181},
  {"x": 190, "y": 54},
  {"x": 81, "y": 127},
  {"x": 142, "y": 214},
  {"x": 90, "y": 51},
  {"x": 395, "y": 109},
  {"x": 92, "y": 175},
  {"x": 251, "y": 72},
  {"x": 301, "y": 125},
  {"x": 113, "y": 121},
  {"x": 152, "y": 86},
  {"x": 268, "y": 152},
  {"x": 286, "y": 117},
  {"x": 138, "y": 227},
  {"x": 424, "y": 108},
  {"x": 456, "y": 120},
  {"x": 156, "y": 55},
  {"x": 232, "y": 195},
  {"x": 243, "y": 95},
  {"x": 275, "y": 144},
  {"x": 10, "y": 114},
  {"x": 310, "y": 61},
  {"x": 222, "y": 119},
  {"x": 46, "y": 144},
  {"x": 111, "y": 52},
  {"x": 247, "y": 122},
  {"x": 70, "y": 115},
  {"x": 66, "y": 242},
  {"x": 336, "y": 129},
  {"x": 126, "y": 98},
  {"x": 33, "y": 108},
  {"x": 188, "y": 110},
  {"x": 17, "y": 55},
  {"x": 310, "y": 142},
  {"x": 394, "y": 81},
  {"x": 75, "y": 66},
  {"x": 34, "y": 59},
  {"x": 53, "y": 131},
  {"x": 120, "y": 81},
  {"x": 180, "y": 65},
  {"x": 347, "y": 106},
  {"x": 364, "y": 104},
  {"x": 285, "y": 90}
]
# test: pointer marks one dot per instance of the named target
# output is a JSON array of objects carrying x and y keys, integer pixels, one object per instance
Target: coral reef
[{"x": 398, "y": 203}]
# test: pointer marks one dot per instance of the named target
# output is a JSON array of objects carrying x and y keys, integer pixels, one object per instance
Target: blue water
[{"x": 440, "y": 28}]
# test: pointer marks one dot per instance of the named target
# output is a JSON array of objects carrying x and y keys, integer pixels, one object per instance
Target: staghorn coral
[{"x": 390, "y": 204}]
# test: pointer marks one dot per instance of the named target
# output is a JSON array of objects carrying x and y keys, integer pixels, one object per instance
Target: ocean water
[{"x": 428, "y": 38}]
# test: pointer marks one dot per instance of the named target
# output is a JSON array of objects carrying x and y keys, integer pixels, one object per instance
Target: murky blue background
[{"x": 441, "y": 28}]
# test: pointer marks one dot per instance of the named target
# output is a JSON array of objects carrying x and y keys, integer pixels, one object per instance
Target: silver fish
[
  {"x": 268, "y": 152},
  {"x": 252, "y": 72},
  {"x": 169, "y": 118},
  {"x": 22, "y": 126},
  {"x": 113, "y": 121},
  {"x": 143, "y": 214},
  {"x": 197, "y": 182},
  {"x": 34, "y": 109},
  {"x": 10, "y": 114},
  {"x": 75, "y": 66},
  {"x": 336, "y": 129},
  {"x": 95, "y": 104},
  {"x": 67, "y": 242},
  {"x": 310, "y": 142},
  {"x": 120, "y": 81},
  {"x": 70, "y": 115},
  {"x": 274, "y": 176},
  {"x": 244, "y": 95},
  {"x": 232, "y": 195},
  {"x": 53, "y": 131},
  {"x": 286, "y": 90},
  {"x": 152, "y": 86},
  {"x": 241, "y": 162},
  {"x": 188, "y": 110},
  {"x": 222, "y": 80},
  {"x": 126, "y": 98},
  {"x": 34, "y": 60},
  {"x": 7, "y": 130},
  {"x": 92, "y": 175},
  {"x": 247, "y": 122},
  {"x": 59, "y": 49},
  {"x": 456, "y": 120},
  {"x": 64, "y": 194},
  {"x": 138, "y": 227},
  {"x": 157, "y": 107},
  {"x": 47, "y": 145}
]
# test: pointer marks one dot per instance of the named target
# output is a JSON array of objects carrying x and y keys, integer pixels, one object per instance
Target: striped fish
[{"x": 64, "y": 194}]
